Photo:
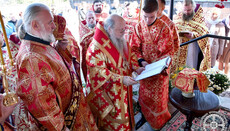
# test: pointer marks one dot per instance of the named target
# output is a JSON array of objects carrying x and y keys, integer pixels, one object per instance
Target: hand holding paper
[{"x": 154, "y": 68}]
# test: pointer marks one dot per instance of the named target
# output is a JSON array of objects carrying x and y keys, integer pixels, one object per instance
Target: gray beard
[
  {"x": 119, "y": 43},
  {"x": 45, "y": 36},
  {"x": 91, "y": 26},
  {"x": 188, "y": 17}
]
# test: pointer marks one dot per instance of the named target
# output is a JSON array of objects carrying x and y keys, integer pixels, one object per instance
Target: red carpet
[{"x": 177, "y": 122}]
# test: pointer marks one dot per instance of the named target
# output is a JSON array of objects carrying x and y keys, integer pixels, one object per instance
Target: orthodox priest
[
  {"x": 191, "y": 24},
  {"x": 47, "y": 83},
  {"x": 109, "y": 67},
  {"x": 87, "y": 29}
]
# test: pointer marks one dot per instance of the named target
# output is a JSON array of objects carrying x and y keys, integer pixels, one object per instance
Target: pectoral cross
[{"x": 106, "y": 43}]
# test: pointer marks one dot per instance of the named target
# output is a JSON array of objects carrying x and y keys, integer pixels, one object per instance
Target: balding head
[
  {"x": 116, "y": 24},
  {"x": 115, "y": 27}
]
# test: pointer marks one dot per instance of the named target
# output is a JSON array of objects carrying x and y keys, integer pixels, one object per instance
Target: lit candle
[{"x": 6, "y": 40}]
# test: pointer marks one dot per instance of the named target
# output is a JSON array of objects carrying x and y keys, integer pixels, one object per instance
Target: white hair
[
  {"x": 31, "y": 13},
  {"x": 109, "y": 23},
  {"x": 90, "y": 12}
]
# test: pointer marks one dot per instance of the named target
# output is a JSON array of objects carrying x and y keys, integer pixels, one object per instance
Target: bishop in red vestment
[{"x": 110, "y": 63}]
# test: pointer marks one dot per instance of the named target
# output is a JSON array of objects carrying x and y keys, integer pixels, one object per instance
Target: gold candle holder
[{"x": 10, "y": 98}]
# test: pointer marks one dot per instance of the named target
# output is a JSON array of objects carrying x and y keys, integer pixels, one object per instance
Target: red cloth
[
  {"x": 153, "y": 43},
  {"x": 185, "y": 80},
  {"x": 46, "y": 88},
  {"x": 176, "y": 41},
  {"x": 110, "y": 100},
  {"x": 60, "y": 23}
]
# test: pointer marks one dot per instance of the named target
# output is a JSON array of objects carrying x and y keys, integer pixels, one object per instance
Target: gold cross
[{"x": 106, "y": 43}]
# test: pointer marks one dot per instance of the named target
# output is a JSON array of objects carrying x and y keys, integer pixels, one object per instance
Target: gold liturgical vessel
[{"x": 10, "y": 98}]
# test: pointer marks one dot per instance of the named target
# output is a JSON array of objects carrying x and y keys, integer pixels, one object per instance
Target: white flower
[
  {"x": 215, "y": 86},
  {"x": 218, "y": 88},
  {"x": 210, "y": 88}
]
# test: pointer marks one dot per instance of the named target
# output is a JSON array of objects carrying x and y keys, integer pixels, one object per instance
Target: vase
[
  {"x": 191, "y": 95},
  {"x": 188, "y": 95}
]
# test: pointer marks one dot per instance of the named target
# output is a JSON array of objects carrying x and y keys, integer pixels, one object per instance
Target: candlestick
[
  {"x": 9, "y": 97},
  {"x": 6, "y": 39},
  {"x": 1, "y": 56}
]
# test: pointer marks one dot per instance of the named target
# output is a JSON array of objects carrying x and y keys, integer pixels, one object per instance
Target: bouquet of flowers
[{"x": 219, "y": 81}]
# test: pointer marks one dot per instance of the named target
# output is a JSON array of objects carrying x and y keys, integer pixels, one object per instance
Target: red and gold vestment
[
  {"x": 72, "y": 46},
  {"x": 130, "y": 24},
  {"x": 86, "y": 37},
  {"x": 176, "y": 41},
  {"x": 101, "y": 16},
  {"x": 198, "y": 27},
  {"x": 153, "y": 43},
  {"x": 49, "y": 89},
  {"x": 110, "y": 100},
  {"x": 62, "y": 30}
]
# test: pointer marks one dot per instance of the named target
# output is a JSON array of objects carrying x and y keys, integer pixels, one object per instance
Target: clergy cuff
[{"x": 139, "y": 61}]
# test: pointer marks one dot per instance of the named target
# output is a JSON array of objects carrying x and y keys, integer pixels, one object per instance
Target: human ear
[
  {"x": 35, "y": 25},
  {"x": 109, "y": 30}
]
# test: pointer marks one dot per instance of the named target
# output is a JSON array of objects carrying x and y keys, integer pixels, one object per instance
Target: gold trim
[
  {"x": 104, "y": 51},
  {"x": 117, "y": 120},
  {"x": 87, "y": 34},
  {"x": 99, "y": 85},
  {"x": 59, "y": 100},
  {"x": 100, "y": 27},
  {"x": 110, "y": 107},
  {"x": 137, "y": 31},
  {"x": 155, "y": 114},
  {"x": 119, "y": 61},
  {"x": 122, "y": 100}
]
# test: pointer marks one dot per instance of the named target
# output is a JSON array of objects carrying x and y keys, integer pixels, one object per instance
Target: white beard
[{"x": 46, "y": 36}]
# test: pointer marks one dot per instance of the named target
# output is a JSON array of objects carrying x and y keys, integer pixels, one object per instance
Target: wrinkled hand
[
  {"x": 63, "y": 43},
  {"x": 144, "y": 63},
  {"x": 139, "y": 70},
  {"x": 5, "y": 110},
  {"x": 189, "y": 35},
  {"x": 127, "y": 80}
]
